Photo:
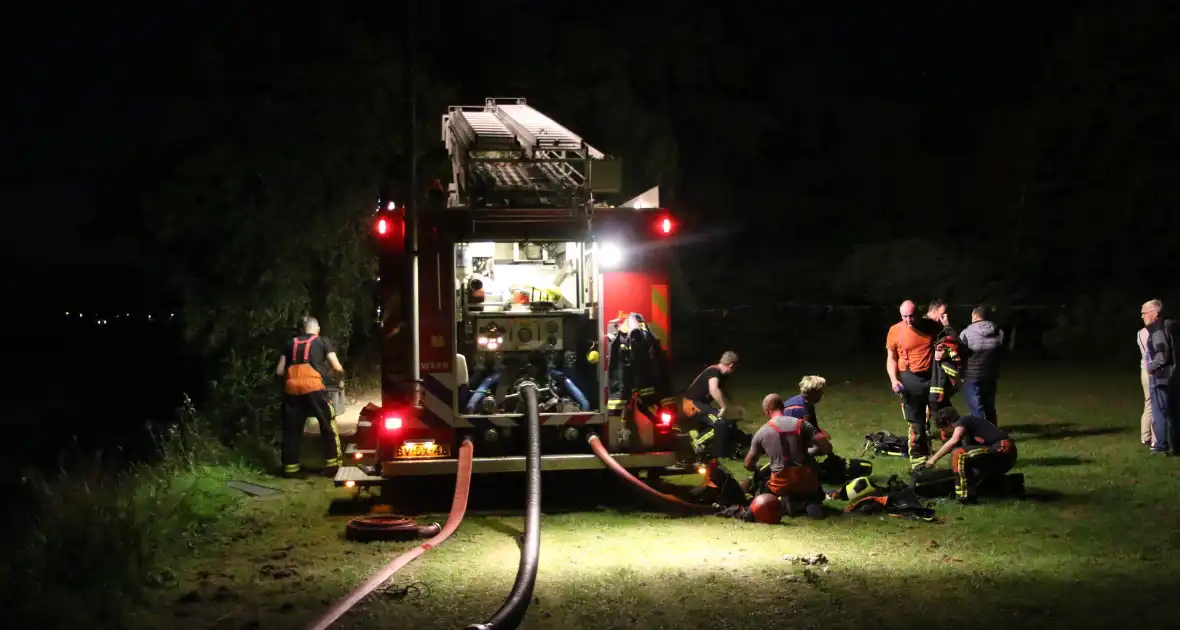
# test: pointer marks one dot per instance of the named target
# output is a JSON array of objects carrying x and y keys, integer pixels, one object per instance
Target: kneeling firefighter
[
  {"x": 832, "y": 468},
  {"x": 637, "y": 369},
  {"x": 981, "y": 452},
  {"x": 303, "y": 363},
  {"x": 786, "y": 441}
]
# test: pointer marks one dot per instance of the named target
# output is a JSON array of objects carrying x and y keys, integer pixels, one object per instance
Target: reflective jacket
[{"x": 946, "y": 375}]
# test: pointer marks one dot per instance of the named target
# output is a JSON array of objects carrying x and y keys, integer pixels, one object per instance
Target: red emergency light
[
  {"x": 666, "y": 418},
  {"x": 665, "y": 225},
  {"x": 392, "y": 422},
  {"x": 383, "y": 226}
]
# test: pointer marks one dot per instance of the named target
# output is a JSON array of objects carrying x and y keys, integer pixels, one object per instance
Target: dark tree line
[{"x": 1010, "y": 155}]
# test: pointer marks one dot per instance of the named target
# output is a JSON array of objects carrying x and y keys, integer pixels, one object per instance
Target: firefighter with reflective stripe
[
  {"x": 909, "y": 358},
  {"x": 705, "y": 402},
  {"x": 945, "y": 372},
  {"x": 637, "y": 369},
  {"x": 786, "y": 441},
  {"x": 303, "y": 364},
  {"x": 980, "y": 452}
]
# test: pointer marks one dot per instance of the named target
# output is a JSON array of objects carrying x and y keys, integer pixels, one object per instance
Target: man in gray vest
[{"x": 983, "y": 342}]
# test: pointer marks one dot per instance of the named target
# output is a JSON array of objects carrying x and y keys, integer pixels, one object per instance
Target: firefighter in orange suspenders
[
  {"x": 303, "y": 363},
  {"x": 786, "y": 440},
  {"x": 637, "y": 368}
]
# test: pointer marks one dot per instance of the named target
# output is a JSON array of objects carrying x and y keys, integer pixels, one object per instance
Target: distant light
[
  {"x": 391, "y": 206},
  {"x": 67, "y": 313}
]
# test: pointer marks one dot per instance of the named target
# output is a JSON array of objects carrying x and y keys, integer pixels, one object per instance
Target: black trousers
[
  {"x": 915, "y": 399},
  {"x": 296, "y": 410},
  {"x": 707, "y": 418}
]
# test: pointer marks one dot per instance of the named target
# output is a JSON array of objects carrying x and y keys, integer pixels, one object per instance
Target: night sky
[
  {"x": 88, "y": 83},
  {"x": 84, "y": 88}
]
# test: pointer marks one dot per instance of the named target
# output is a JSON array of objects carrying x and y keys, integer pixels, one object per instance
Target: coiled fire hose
[
  {"x": 388, "y": 527},
  {"x": 512, "y": 611},
  {"x": 458, "y": 509}
]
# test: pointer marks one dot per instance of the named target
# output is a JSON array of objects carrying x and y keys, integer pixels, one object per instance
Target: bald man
[
  {"x": 786, "y": 440},
  {"x": 909, "y": 359}
]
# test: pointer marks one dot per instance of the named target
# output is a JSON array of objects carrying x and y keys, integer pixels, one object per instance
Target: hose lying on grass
[
  {"x": 458, "y": 509},
  {"x": 599, "y": 449}
]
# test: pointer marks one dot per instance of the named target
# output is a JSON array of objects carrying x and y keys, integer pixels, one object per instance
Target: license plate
[{"x": 423, "y": 449}]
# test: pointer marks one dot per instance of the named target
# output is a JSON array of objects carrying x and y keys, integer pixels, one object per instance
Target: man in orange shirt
[{"x": 909, "y": 357}]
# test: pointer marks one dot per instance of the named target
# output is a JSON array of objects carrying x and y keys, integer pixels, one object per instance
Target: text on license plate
[{"x": 423, "y": 449}]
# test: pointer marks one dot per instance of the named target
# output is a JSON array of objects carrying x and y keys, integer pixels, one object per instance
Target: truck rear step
[{"x": 580, "y": 461}]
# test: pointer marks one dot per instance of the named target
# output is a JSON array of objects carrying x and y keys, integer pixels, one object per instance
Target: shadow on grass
[
  {"x": 1053, "y": 462},
  {"x": 1060, "y": 430}
]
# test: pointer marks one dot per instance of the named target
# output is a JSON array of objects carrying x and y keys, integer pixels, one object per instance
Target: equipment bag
[
  {"x": 885, "y": 443},
  {"x": 900, "y": 503},
  {"x": 933, "y": 483},
  {"x": 835, "y": 470}
]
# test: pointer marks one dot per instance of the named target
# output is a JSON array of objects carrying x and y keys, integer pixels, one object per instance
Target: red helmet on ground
[{"x": 767, "y": 508}]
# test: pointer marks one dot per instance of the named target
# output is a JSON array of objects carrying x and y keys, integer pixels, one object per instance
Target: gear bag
[
  {"x": 885, "y": 443},
  {"x": 867, "y": 498},
  {"x": 835, "y": 470},
  {"x": 933, "y": 483}
]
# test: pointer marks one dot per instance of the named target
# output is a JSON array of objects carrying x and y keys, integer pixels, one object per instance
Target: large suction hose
[
  {"x": 600, "y": 450},
  {"x": 512, "y": 611},
  {"x": 458, "y": 509}
]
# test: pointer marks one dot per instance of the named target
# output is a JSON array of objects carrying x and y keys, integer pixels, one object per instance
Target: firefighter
[
  {"x": 980, "y": 452},
  {"x": 637, "y": 369},
  {"x": 303, "y": 364},
  {"x": 706, "y": 400},
  {"x": 909, "y": 355},
  {"x": 786, "y": 440},
  {"x": 811, "y": 392},
  {"x": 945, "y": 372},
  {"x": 832, "y": 468}
]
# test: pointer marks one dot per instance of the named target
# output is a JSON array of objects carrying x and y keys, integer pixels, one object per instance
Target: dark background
[{"x": 836, "y": 160}]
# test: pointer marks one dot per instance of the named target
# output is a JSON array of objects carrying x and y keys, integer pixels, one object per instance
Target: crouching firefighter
[
  {"x": 303, "y": 363},
  {"x": 832, "y": 468},
  {"x": 786, "y": 441},
  {"x": 981, "y": 452},
  {"x": 704, "y": 405},
  {"x": 637, "y": 369}
]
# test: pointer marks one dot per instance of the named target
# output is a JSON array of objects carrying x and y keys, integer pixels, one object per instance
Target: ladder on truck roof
[{"x": 507, "y": 154}]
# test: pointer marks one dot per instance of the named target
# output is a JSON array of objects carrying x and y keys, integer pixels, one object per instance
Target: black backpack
[{"x": 885, "y": 443}]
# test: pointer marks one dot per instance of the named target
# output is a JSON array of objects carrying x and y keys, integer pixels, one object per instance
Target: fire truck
[{"x": 517, "y": 271}]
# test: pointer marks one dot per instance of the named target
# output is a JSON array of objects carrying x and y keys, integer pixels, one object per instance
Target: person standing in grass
[
  {"x": 1161, "y": 363},
  {"x": 909, "y": 358},
  {"x": 1146, "y": 430},
  {"x": 984, "y": 341}
]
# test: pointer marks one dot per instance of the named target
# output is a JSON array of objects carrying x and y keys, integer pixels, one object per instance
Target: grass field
[{"x": 1102, "y": 553}]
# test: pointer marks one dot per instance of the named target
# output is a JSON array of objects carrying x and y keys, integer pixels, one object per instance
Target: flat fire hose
[
  {"x": 458, "y": 509},
  {"x": 600, "y": 450}
]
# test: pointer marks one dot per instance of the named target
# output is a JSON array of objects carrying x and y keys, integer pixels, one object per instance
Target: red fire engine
[{"x": 517, "y": 272}]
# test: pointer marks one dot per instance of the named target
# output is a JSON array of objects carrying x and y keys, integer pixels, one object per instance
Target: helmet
[
  {"x": 859, "y": 488},
  {"x": 767, "y": 508},
  {"x": 859, "y": 468}
]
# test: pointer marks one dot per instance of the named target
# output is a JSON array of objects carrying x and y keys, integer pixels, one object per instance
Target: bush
[{"x": 83, "y": 545}]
